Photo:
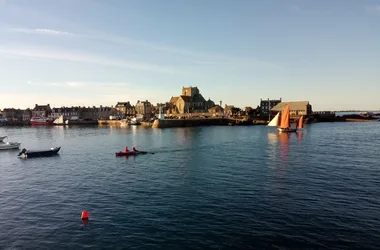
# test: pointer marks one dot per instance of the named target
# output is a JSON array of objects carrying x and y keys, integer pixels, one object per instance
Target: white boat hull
[
  {"x": 286, "y": 130},
  {"x": 10, "y": 145}
]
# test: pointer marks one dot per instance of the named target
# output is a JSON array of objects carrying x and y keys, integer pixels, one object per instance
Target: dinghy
[
  {"x": 10, "y": 145},
  {"x": 38, "y": 153}
]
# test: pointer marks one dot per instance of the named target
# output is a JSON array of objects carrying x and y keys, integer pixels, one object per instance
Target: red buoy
[{"x": 84, "y": 215}]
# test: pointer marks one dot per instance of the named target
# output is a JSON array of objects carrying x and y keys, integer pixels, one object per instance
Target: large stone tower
[{"x": 190, "y": 91}]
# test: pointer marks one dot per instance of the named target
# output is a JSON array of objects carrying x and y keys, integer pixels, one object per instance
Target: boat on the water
[
  {"x": 38, "y": 153},
  {"x": 42, "y": 121},
  {"x": 282, "y": 121},
  {"x": 59, "y": 121},
  {"x": 9, "y": 145},
  {"x": 130, "y": 153},
  {"x": 134, "y": 121},
  {"x": 2, "y": 138}
]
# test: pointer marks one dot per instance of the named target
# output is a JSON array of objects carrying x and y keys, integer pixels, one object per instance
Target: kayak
[{"x": 130, "y": 153}]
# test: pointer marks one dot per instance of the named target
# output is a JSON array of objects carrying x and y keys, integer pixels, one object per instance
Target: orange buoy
[{"x": 84, "y": 215}]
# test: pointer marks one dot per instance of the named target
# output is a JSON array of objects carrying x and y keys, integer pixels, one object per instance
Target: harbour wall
[
  {"x": 109, "y": 122},
  {"x": 172, "y": 123}
]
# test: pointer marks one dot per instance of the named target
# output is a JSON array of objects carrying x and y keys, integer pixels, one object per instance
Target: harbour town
[{"x": 189, "y": 108}]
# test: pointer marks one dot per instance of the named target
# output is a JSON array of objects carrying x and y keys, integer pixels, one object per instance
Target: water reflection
[
  {"x": 299, "y": 136},
  {"x": 186, "y": 136},
  {"x": 284, "y": 147},
  {"x": 273, "y": 146},
  {"x": 272, "y": 138},
  {"x": 43, "y": 132},
  {"x": 278, "y": 147}
]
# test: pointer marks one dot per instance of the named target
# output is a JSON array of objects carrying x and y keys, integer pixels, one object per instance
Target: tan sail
[
  {"x": 274, "y": 122},
  {"x": 59, "y": 120},
  {"x": 300, "y": 123},
  {"x": 285, "y": 117}
]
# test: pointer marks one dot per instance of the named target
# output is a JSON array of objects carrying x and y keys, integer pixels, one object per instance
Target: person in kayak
[
  {"x": 126, "y": 149},
  {"x": 134, "y": 149}
]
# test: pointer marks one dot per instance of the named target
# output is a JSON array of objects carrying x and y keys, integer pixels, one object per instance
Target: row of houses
[
  {"x": 190, "y": 101},
  {"x": 71, "y": 113},
  {"x": 121, "y": 110}
]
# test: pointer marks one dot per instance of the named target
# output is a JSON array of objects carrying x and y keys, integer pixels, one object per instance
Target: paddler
[
  {"x": 134, "y": 149},
  {"x": 126, "y": 149}
]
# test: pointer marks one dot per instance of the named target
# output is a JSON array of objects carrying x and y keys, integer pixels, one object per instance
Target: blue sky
[{"x": 93, "y": 52}]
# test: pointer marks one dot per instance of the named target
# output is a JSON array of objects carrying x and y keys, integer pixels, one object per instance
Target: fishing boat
[
  {"x": 10, "y": 145},
  {"x": 2, "y": 138},
  {"x": 38, "y": 153},
  {"x": 130, "y": 153},
  {"x": 59, "y": 121},
  {"x": 42, "y": 121},
  {"x": 282, "y": 121}
]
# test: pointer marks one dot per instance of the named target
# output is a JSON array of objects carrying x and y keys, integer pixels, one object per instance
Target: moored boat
[
  {"x": 42, "y": 121},
  {"x": 134, "y": 121},
  {"x": 10, "y": 145},
  {"x": 38, "y": 153}
]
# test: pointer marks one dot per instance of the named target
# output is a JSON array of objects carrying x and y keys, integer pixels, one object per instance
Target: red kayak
[{"x": 130, "y": 153}]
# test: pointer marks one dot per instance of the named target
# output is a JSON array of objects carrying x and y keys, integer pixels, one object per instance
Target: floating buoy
[{"x": 84, "y": 215}]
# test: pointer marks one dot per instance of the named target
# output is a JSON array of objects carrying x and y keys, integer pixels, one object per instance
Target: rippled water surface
[{"x": 204, "y": 188}]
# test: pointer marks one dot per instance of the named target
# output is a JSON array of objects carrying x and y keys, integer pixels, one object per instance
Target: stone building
[
  {"x": 69, "y": 113},
  {"x": 217, "y": 109},
  {"x": 267, "y": 104},
  {"x": 296, "y": 108},
  {"x": 11, "y": 114},
  {"x": 231, "y": 110},
  {"x": 144, "y": 110},
  {"x": 41, "y": 110},
  {"x": 191, "y": 101},
  {"x": 124, "y": 109}
]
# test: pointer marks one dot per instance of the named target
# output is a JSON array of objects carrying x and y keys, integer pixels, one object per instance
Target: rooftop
[{"x": 298, "y": 105}]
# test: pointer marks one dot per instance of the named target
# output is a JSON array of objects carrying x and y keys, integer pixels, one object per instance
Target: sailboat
[
  {"x": 59, "y": 121},
  {"x": 282, "y": 121}
]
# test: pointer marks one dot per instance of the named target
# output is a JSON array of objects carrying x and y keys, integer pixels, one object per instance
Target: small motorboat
[
  {"x": 134, "y": 122},
  {"x": 9, "y": 145},
  {"x": 2, "y": 138},
  {"x": 130, "y": 153},
  {"x": 38, "y": 153}
]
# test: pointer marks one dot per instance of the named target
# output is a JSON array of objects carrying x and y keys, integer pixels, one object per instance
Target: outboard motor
[{"x": 22, "y": 151}]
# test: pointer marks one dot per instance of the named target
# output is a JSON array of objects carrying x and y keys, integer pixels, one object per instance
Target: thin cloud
[
  {"x": 110, "y": 39},
  {"x": 202, "y": 57},
  {"x": 42, "y": 32},
  {"x": 82, "y": 85},
  {"x": 74, "y": 56}
]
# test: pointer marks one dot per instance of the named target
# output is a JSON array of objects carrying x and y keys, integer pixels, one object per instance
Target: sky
[{"x": 99, "y": 52}]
